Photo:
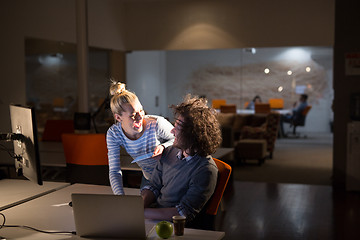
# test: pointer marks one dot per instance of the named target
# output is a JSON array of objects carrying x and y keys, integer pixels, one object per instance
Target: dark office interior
[{"x": 251, "y": 210}]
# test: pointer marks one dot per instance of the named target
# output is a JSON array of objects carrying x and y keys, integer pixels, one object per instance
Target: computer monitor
[{"x": 24, "y": 137}]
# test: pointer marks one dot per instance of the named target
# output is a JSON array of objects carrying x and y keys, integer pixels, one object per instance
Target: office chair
[
  {"x": 228, "y": 108},
  {"x": 206, "y": 218},
  {"x": 86, "y": 158},
  {"x": 276, "y": 103},
  {"x": 216, "y": 103},
  {"x": 55, "y": 127},
  {"x": 300, "y": 120},
  {"x": 262, "y": 108}
]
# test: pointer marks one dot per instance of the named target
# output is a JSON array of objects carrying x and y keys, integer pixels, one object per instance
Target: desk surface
[
  {"x": 16, "y": 191},
  {"x": 222, "y": 152},
  {"x": 52, "y": 212},
  {"x": 250, "y": 111}
]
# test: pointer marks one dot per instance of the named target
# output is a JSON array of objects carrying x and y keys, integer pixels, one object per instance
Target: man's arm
[
  {"x": 156, "y": 213},
  {"x": 148, "y": 197},
  {"x": 160, "y": 213}
]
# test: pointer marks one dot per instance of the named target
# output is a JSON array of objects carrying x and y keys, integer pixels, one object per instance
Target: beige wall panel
[{"x": 228, "y": 24}]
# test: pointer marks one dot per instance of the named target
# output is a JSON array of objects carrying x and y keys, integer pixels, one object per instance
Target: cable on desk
[
  {"x": 2, "y": 225},
  {"x": 31, "y": 228}
]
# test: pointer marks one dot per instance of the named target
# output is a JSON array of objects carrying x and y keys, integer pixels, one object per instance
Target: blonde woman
[{"x": 143, "y": 136}]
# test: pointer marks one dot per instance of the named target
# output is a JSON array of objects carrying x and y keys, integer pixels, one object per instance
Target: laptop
[{"x": 109, "y": 216}]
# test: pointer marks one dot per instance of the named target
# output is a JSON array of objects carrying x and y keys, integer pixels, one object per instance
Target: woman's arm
[{"x": 115, "y": 174}]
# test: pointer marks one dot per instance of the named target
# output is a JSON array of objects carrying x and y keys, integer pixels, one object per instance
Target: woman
[
  {"x": 251, "y": 105},
  {"x": 138, "y": 133}
]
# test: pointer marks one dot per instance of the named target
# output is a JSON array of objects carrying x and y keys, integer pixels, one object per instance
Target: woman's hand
[{"x": 158, "y": 150}]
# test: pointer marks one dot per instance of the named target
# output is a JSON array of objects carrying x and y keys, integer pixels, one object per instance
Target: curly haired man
[{"x": 185, "y": 177}]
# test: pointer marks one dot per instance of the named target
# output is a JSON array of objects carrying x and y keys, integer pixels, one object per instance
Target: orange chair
[
  {"x": 223, "y": 178},
  {"x": 262, "y": 108},
  {"x": 228, "y": 108},
  {"x": 86, "y": 158},
  {"x": 206, "y": 218},
  {"x": 59, "y": 102},
  {"x": 246, "y": 104},
  {"x": 276, "y": 103},
  {"x": 300, "y": 121},
  {"x": 216, "y": 103},
  {"x": 55, "y": 127}
]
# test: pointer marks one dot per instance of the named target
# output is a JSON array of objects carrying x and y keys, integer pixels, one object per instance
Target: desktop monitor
[{"x": 24, "y": 137}]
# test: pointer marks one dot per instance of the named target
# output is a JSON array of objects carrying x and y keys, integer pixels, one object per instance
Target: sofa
[{"x": 237, "y": 127}]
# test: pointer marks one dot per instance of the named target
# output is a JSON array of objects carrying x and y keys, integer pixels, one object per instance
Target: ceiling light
[
  {"x": 266, "y": 71},
  {"x": 307, "y": 69},
  {"x": 289, "y": 72},
  {"x": 250, "y": 50}
]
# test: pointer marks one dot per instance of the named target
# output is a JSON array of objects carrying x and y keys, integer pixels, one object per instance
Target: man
[
  {"x": 296, "y": 112},
  {"x": 185, "y": 177}
]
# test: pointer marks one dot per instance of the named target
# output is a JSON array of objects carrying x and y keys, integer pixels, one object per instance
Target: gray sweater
[{"x": 186, "y": 183}]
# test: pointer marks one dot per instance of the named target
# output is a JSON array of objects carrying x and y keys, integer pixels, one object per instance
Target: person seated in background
[
  {"x": 185, "y": 177},
  {"x": 296, "y": 112},
  {"x": 251, "y": 104}
]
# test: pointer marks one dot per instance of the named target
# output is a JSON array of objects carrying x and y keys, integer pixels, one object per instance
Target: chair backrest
[
  {"x": 276, "y": 103},
  {"x": 306, "y": 110},
  {"x": 262, "y": 108},
  {"x": 246, "y": 104},
  {"x": 85, "y": 149},
  {"x": 59, "y": 102},
  {"x": 55, "y": 127},
  {"x": 86, "y": 158},
  {"x": 216, "y": 103},
  {"x": 223, "y": 178},
  {"x": 228, "y": 108},
  {"x": 299, "y": 120}
]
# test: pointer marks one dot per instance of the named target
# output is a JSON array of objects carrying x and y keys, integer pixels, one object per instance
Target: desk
[
  {"x": 52, "y": 155},
  {"x": 16, "y": 191},
  {"x": 52, "y": 212},
  {"x": 224, "y": 154},
  {"x": 126, "y": 164},
  {"x": 249, "y": 111}
]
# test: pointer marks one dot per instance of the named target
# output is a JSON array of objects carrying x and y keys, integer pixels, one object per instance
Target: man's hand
[
  {"x": 158, "y": 150},
  {"x": 148, "y": 197}
]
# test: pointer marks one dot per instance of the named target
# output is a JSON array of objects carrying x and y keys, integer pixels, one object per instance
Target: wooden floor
[{"x": 255, "y": 210}]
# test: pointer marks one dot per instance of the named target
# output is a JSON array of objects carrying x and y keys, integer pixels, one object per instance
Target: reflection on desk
[
  {"x": 16, "y": 191},
  {"x": 53, "y": 213}
]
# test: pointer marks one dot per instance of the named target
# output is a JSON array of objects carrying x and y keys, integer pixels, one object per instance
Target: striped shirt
[{"x": 157, "y": 131}]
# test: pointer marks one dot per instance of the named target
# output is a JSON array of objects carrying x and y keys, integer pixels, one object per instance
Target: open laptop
[{"x": 109, "y": 216}]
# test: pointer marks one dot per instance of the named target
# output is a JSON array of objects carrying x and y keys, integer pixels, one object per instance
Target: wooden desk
[
  {"x": 52, "y": 212},
  {"x": 16, "y": 191},
  {"x": 249, "y": 111},
  {"x": 52, "y": 155},
  {"x": 224, "y": 153},
  {"x": 126, "y": 164}
]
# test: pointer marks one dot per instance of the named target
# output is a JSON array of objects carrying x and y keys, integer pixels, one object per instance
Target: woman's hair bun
[{"x": 116, "y": 87}]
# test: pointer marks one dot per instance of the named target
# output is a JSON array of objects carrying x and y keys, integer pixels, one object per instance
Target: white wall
[
  {"x": 145, "y": 71},
  {"x": 181, "y": 64}
]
